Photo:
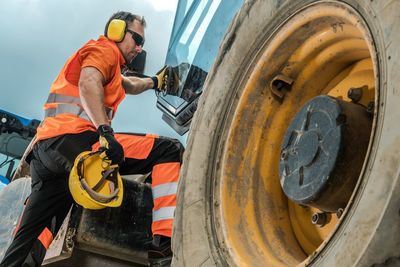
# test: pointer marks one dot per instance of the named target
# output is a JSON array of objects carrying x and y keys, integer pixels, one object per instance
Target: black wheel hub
[{"x": 313, "y": 153}]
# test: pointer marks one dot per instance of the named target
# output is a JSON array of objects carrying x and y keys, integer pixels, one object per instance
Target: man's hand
[
  {"x": 113, "y": 149},
  {"x": 166, "y": 81}
]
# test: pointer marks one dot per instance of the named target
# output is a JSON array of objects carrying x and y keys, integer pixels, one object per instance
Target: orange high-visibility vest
[{"x": 64, "y": 113}]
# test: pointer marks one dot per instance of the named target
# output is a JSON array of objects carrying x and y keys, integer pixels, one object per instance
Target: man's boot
[{"x": 160, "y": 253}]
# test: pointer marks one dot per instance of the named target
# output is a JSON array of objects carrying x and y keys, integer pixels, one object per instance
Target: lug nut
[
  {"x": 355, "y": 94},
  {"x": 370, "y": 107},
  {"x": 319, "y": 218}
]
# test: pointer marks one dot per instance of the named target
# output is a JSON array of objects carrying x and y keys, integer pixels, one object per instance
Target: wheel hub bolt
[
  {"x": 355, "y": 94},
  {"x": 370, "y": 107},
  {"x": 319, "y": 218}
]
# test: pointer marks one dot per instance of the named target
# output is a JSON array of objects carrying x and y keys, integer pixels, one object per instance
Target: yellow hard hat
[{"x": 95, "y": 183}]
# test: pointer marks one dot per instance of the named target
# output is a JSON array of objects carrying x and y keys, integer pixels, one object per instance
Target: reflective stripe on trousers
[
  {"x": 163, "y": 214},
  {"x": 164, "y": 187},
  {"x": 160, "y": 191}
]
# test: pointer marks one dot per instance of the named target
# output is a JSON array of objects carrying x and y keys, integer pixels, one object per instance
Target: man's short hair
[{"x": 127, "y": 17}]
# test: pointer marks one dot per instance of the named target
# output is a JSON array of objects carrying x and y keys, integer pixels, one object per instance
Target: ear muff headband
[{"x": 116, "y": 30}]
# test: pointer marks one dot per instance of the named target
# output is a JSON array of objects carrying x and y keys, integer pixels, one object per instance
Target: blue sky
[{"x": 37, "y": 37}]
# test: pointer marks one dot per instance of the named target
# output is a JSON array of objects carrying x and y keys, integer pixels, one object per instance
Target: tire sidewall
[{"x": 372, "y": 222}]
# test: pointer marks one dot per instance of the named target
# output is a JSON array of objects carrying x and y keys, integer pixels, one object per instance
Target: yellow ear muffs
[{"x": 116, "y": 30}]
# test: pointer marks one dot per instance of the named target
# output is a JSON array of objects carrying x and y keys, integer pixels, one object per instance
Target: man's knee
[
  {"x": 173, "y": 149},
  {"x": 178, "y": 147}
]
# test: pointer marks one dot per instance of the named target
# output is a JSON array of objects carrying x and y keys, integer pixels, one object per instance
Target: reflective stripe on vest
[
  {"x": 59, "y": 98},
  {"x": 163, "y": 190},
  {"x": 64, "y": 106},
  {"x": 163, "y": 214}
]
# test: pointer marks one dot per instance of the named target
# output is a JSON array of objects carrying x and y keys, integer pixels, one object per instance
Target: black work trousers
[
  {"x": 50, "y": 199},
  {"x": 50, "y": 163}
]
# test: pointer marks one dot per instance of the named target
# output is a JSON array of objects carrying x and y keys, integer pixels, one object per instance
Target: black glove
[
  {"x": 166, "y": 81},
  {"x": 113, "y": 149}
]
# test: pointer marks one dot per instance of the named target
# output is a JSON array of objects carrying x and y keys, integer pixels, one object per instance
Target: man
[{"x": 82, "y": 101}]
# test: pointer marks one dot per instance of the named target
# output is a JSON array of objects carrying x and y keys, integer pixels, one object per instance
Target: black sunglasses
[{"x": 136, "y": 37}]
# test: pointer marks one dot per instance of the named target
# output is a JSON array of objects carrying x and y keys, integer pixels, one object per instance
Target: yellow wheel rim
[{"x": 324, "y": 48}]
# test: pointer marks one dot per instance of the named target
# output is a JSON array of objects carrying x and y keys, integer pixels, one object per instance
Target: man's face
[{"x": 129, "y": 47}]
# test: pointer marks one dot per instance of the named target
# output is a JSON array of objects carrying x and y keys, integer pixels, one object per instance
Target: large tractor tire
[{"x": 278, "y": 62}]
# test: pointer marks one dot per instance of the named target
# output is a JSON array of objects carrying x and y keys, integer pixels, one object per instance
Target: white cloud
[{"x": 161, "y": 5}]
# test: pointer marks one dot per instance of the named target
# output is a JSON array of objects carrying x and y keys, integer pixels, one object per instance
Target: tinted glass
[{"x": 194, "y": 45}]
